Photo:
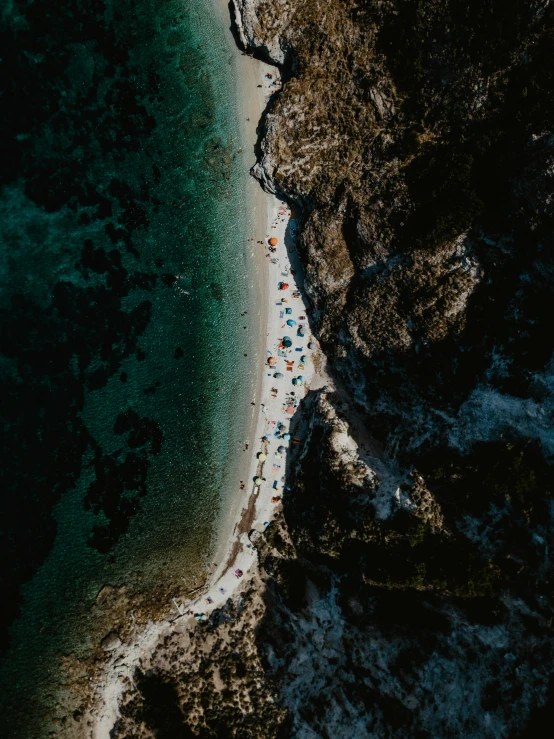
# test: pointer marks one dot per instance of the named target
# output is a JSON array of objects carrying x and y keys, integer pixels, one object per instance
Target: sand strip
[{"x": 278, "y": 392}]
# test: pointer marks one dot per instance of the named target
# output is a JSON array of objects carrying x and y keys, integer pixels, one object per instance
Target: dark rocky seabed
[{"x": 118, "y": 348}]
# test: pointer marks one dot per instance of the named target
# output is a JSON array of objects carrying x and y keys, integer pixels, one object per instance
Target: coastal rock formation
[
  {"x": 417, "y": 138},
  {"x": 407, "y": 583},
  {"x": 260, "y": 26},
  {"x": 110, "y": 642},
  {"x": 208, "y": 681}
]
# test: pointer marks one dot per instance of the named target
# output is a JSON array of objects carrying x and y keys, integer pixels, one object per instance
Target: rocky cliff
[{"x": 407, "y": 584}]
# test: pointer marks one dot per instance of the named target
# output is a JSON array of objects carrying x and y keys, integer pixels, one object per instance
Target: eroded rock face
[{"x": 424, "y": 168}]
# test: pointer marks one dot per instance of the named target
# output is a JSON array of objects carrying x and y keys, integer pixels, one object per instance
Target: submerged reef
[{"x": 73, "y": 309}]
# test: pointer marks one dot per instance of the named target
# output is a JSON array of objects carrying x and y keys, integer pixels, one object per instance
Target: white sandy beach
[{"x": 270, "y": 416}]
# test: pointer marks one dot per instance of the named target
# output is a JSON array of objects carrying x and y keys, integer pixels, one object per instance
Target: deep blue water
[{"x": 122, "y": 368}]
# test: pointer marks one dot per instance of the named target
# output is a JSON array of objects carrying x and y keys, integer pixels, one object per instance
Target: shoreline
[
  {"x": 251, "y": 510},
  {"x": 255, "y": 506},
  {"x": 251, "y": 105}
]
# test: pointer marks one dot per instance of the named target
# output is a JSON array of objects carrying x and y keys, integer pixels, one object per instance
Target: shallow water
[{"x": 123, "y": 276}]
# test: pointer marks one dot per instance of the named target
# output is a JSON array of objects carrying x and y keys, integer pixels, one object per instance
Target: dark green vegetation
[
  {"x": 506, "y": 488},
  {"x": 213, "y": 687},
  {"x": 332, "y": 522}
]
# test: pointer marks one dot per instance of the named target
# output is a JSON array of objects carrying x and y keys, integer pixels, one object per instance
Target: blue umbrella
[
  {"x": 300, "y": 378},
  {"x": 286, "y": 437},
  {"x": 294, "y": 381},
  {"x": 278, "y": 376},
  {"x": 291, "y": 322}
]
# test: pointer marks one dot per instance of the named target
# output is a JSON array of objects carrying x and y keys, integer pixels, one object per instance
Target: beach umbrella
[
  {"x": 283, "y": 285},
  {"x": 311, "y": 345},
  {"x": 281, "y": 449},
  {"x": 294, "y": 381},
  {"x": 258, "y": 481},
  {"x": 273, "y": 241},
  {"x": 286, "y": 437},
  {"x": 262, "y": 457},
  {"x": 278, "y": 375},
  {"x": 291, "y": 322},
  {"x": 303, "y": 358},
  {"x": 287, "y": 343},
  {"x": 300, "y": 378},
  {"x": 300, "y": 332},
  {"x": 271, "y": 361}
]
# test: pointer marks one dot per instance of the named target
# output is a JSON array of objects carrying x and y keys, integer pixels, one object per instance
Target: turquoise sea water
[{"x": 122, "y": 280}]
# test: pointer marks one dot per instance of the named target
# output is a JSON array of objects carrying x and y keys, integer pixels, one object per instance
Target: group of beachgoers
[
  {"x": 284, "y": 384},
  {"x": 286, "y": 364}
]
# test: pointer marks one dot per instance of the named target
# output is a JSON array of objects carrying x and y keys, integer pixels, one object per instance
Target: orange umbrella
[
  {"x": 283, "y": 285},
  {"x": 273, "y": 241}
]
